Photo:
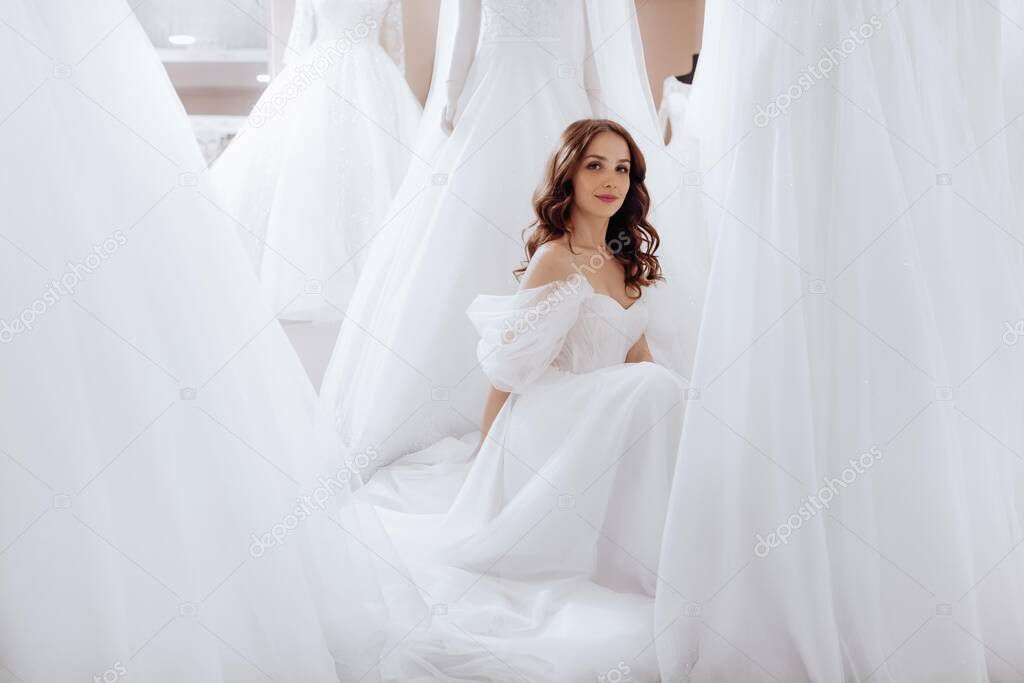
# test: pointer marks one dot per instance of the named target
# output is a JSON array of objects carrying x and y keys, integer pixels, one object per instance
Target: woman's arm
[
  {"x": 550, "y": 263},
  {"x": 640, "y": 352},
  {"x": 492, "y": 406}
]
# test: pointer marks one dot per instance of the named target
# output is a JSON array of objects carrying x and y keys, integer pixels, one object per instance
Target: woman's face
[{"x": 601, "y": 182}]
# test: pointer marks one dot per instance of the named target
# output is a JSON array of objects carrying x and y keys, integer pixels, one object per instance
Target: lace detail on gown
[{"x": 520, "y": 19}]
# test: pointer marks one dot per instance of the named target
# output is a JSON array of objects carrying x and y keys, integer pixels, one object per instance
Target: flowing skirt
[
  {"x": 534, "y": 556},
  {"x": 157, "y": 426},
  {"x": 848, "y": 506},
  {"x": 310, "y": 176}
]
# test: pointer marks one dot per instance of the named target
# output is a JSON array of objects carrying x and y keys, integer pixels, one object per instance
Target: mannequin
[{"x": 688, "y": 77}]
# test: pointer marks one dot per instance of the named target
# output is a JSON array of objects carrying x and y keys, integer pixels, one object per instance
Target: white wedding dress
[
  {"x": 155, "y": 419},
  {"x": 310, "y": 175},
  {"x": 403, "y": 373},
  {"x": 534, "y": 557},
  {"x": 860, "y": 348},
  {"x": 687, "y": 204}
]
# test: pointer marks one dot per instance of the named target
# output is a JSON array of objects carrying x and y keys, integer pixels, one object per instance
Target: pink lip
[{"x": 607, "y": 198}]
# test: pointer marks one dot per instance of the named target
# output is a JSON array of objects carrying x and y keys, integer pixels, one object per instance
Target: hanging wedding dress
[
  {"x": 848, "y": 500},
  {"x": 157, "y": 426},
  {"x": 403, "y": 372},
  {"x": 533, "y": 557},
  {"x": 675, "y": 99},
  {"x": 687, "y": 202},
  {"x": 310, "y": 175}
]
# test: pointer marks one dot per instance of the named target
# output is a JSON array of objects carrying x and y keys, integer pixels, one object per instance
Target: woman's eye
[
  {"x": 623, "y": 169},
  {"x": 594, "y": 165}
]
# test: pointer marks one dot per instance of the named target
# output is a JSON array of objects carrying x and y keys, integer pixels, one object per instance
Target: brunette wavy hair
[{"x": 631, "y": 239}]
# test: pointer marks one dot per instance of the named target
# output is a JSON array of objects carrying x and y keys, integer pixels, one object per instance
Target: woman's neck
[{"x": 588, "y": 231}]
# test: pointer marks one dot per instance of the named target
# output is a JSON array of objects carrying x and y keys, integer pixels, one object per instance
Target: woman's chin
[{"x": 604, "y": 210}]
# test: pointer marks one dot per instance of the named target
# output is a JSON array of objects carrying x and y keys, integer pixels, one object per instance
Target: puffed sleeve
[{"x": 521, "y": 334}]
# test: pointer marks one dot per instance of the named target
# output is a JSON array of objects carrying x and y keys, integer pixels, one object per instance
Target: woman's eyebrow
[{"x": 598, "y": 156}]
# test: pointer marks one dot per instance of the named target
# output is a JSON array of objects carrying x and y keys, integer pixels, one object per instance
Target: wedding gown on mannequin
[
  {"x": 848, "y": 501},
  {"x": 403, "y": 372},
  {"x": 687, "y": 202},
  {"x": 532, "y": 558},
  {"x": 157, "y": 425},
  {"x": 310, "y": 175}
]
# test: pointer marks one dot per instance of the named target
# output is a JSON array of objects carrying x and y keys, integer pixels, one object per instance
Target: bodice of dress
[
  {"x": 603, "y": 333},
  {"x": 564, "y": 326},
  {"x": 357, "y": 20},
  {"x": 529, "y": 20}
]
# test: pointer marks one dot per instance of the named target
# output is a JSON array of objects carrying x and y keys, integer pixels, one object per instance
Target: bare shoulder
[{"x": 552, "y": 261}]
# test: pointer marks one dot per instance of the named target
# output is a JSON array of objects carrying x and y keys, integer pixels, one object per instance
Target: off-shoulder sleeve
[{"x": 521, "y": 334}]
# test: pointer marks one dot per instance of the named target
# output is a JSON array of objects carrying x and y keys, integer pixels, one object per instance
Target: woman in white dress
[
  {"x": 535, "y": 551},
  {"x": 509, "y": 76},
  {"x": 311, "y": 174}
]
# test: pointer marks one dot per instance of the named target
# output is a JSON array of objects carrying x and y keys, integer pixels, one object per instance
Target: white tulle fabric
[
  {"x": 516, "y": 347},
  {"x": 403, "y": 373},
  {"x": 310, "y": 175},
  {"x": 687, "y": 256},
  {"x": 859, "y": 346},
  {"x": 534, "y": 554},
  {"x": 157, "y": 425}
]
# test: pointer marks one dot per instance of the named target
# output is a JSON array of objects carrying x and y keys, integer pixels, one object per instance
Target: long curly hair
[{"x": 630, "y": 238}]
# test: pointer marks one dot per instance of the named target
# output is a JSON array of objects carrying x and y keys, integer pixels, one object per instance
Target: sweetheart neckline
[{"x": 616, "y": 301}]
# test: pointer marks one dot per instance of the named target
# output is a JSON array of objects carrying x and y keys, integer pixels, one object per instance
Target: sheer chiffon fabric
[
  {"x": 158, "y": 427},
  {"x": 310, "y": 175},
  {"x": 403, "y": 373},
  {"x": 847, "y": 503},
  {"x": 534, "y": 554}
]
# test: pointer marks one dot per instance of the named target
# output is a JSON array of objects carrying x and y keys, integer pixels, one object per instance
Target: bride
[
  {"x": 508, "y": 78},
  {"x": 536, "y": 547}
]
